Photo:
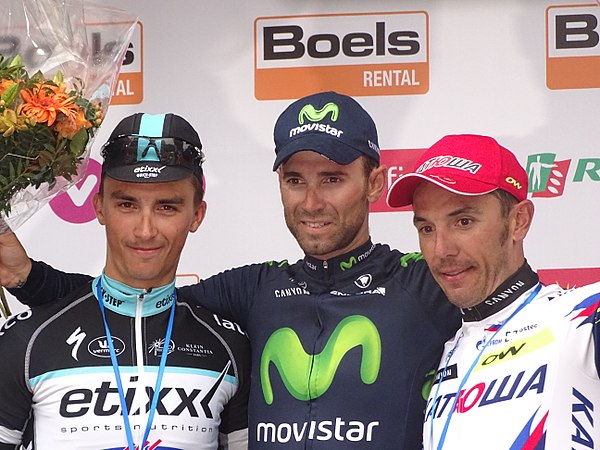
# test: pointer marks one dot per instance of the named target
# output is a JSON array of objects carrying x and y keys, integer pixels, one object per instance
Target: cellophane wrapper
[{"x": 83, "y": 42}]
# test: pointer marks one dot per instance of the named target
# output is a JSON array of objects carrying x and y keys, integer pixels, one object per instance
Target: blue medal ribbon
[
  {"x": 464, "y": 379},
  {"x": 115, "y": 365}
]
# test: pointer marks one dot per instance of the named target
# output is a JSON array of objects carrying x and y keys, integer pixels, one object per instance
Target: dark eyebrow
[
  {"x": 456, "y": 212},
  {"x": 172, "y": 201},
  {"x": 121, "y": 195},
  {"x": 327, "y": 173}
]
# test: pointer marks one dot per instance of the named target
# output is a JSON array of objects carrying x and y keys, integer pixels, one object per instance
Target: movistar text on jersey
[{"x": 324, "y": 430}]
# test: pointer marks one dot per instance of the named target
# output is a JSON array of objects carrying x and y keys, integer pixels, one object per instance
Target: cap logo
[
  {"x": 449, "y": 161},
  {"x": 444, "y": 180},
  {"x": 316, "y": 115},
  {"x": 313, "y": 115},
  {"x": 512, "y": 181},
  {"x": 148, "y": 171}
]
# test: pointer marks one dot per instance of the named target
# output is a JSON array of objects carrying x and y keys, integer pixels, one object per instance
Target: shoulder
[
  {"x": 21, "y": 326},
  {"x": 227, "y": 329}
]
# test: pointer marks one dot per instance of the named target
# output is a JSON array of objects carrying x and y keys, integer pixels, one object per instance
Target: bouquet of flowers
[
  {"x": 45, "y": 127},
  {"x": 56, "y": 83}
]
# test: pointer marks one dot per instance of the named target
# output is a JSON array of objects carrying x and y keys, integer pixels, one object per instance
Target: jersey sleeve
[
  {"x": 236, "y": 440},
  {"x": 230, "y": 293},
  {"x": 446, "y": 317},
  {"x": 15, "y": 397},
  {"x": 45, "y": 284}
]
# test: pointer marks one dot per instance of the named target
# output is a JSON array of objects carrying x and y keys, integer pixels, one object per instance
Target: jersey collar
[
  {"x": 518, "y": 283},
  {"x": 123, "y": 299},
  {"x": 340, "y": 264}
]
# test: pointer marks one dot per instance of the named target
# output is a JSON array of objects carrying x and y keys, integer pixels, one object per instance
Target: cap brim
[
  {"x": 402, "y": 190},
  {"x": 330, "y": 147},
  {"x": 148, "y": 172}
]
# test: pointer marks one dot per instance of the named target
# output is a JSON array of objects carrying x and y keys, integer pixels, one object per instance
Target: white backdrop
[{"x": 483, "y": 65}]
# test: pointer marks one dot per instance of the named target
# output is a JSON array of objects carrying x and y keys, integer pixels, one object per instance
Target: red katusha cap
[{"x": 466, "y": 164}]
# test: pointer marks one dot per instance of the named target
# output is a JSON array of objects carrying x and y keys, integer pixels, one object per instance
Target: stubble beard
[{"x": 338, "y": 240}]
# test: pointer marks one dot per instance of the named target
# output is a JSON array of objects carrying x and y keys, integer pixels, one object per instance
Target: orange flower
[
  {"x": 5, "y": 84},
  {"x": 68, "y": 126},
  {"x": 45, "y": 101}
]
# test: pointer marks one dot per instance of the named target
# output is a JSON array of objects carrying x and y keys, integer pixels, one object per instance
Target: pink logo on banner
[{"x": 75, "y": 205}]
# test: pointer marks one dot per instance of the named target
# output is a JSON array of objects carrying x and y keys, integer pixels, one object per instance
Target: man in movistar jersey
[
  {"x": 523, "y": 371},
  {"x": 126, "y": 360},
  {"x": 343, "y": 340}
]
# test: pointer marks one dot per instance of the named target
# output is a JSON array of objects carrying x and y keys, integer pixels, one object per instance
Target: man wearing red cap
[{"x": 523, "y": 370}]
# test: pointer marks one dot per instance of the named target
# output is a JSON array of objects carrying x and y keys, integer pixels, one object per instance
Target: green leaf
[
  {"x": 10, "y": 94},
  {"x": 79, "y": 142},
  {"x": 16, "y": 61}
]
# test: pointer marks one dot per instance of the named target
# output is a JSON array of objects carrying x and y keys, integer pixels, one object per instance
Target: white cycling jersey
[
  {"x": 59, "y": 390},
  {"x": 525, "y": 364}
]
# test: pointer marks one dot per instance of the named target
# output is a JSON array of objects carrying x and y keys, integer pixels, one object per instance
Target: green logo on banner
[
  {"x": 309, "y": 112},
  {"x": 285, "y": 351}
]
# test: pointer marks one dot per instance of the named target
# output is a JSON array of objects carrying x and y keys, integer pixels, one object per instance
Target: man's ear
[
  {"x": 376, "y": 183},
  {"x": 522, "y": 214},
  {"x": 199, "y": 215},
  {"x": 97, "y": 202}
]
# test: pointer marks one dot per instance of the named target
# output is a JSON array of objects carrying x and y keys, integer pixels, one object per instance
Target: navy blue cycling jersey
[{"x": 341, "y": 349}]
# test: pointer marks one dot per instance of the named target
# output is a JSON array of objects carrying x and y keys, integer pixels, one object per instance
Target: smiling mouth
[
  {"x": 315, "y": 225},
  {"x": 455, "y": 274}
]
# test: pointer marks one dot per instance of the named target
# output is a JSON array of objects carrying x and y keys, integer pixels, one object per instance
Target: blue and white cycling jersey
[
  {"x": 525, "y": 365},
  {"x": 58, "y": 389}
]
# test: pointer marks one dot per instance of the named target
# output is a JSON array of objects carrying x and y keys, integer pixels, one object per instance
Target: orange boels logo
[
  {"x": 358, "y": 54},
  {"x": 573, "y": 47},
  {"x": 129, "y": 89}
]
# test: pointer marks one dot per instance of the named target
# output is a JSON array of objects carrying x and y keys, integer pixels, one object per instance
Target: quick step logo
[
  {"x": 573, "y": 47},
  {"x": 364, "y": 54}
]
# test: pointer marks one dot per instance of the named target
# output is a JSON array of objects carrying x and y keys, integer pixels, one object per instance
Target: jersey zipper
[{"x": 140, "y": 383}]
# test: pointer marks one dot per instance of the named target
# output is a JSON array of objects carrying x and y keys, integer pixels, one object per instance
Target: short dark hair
[
  {"x": 369, "y": 164},
  {"x": 507, "y": 201}
]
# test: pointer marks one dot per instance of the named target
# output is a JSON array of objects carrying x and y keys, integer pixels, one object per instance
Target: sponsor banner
[
  {"x": 129, "y": 88},
  {"x": 548, "y": 176},
  {"x": 573, "y": 47},
  {"x": 358, "y": 54},
  {"x": 568, "y": 278},
  {"x": 398, "y": 163}
]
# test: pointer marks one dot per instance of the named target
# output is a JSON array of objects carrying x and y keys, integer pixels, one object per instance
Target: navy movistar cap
[
  {"x": 147, "y": 148},
  {"x": 331, "y": 124}
]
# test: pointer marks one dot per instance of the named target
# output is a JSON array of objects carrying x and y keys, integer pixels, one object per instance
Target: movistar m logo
[
  {"x": 348, "y": 264},
  {"x": 316, "y": 115},
  {"x": 295, "y": 366}
]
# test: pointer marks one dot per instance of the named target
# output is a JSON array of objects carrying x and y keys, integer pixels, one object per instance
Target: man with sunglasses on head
[
  {"x": 343, "y": 340},
  {"x": 126, "y": 360}
]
